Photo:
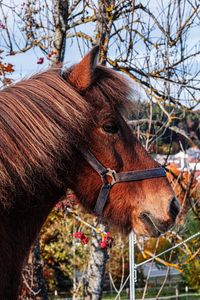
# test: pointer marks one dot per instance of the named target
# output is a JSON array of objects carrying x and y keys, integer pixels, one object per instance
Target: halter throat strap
[{"x": 110, "y": 177}]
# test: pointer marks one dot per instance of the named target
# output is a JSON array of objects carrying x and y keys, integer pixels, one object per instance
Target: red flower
[
  {"x": 106, "y": 241},
  {"x": 107, "y": 237},
  {"x": 79, "y": 235},
  {"x": 71, "y": 196},
  {"x": 84, "y": 240},
  {"x": 103, "y": 245},
  {"x": 40, "y": 60},
  {"x": 59, "y": 205}
]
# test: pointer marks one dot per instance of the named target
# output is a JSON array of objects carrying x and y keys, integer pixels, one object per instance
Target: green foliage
[
  {"x": 191, "y": 270},
  {"x": 192, "y": 224},
  {"x": 62, "y": 253},
  {"x": 191, "y": 274}
]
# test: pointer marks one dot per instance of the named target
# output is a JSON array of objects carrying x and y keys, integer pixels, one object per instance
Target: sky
[{"x": 25, "y": 64}]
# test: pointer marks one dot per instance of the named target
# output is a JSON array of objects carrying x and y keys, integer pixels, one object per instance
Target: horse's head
[{"x": 147, "y": 206}]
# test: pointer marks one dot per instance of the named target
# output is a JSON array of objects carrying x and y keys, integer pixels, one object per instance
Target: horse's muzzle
[{"x": 156, "y": 227}]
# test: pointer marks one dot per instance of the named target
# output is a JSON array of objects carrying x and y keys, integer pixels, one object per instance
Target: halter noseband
[{"x": 115, "y": 177}]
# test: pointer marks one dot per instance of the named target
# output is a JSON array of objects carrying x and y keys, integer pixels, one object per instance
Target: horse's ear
[{"x": 81, "y": 75}]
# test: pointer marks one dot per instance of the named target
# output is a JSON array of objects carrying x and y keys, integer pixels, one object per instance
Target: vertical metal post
[
  {"x": 74, "y": 268},
  {"x": 132, "y": 268}
]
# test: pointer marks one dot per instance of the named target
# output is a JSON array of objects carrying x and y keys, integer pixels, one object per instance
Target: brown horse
[{"x": 57, "y": 130}]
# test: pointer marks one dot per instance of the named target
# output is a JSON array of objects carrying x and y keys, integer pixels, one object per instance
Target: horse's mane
[{"x": 42, "y": 119}]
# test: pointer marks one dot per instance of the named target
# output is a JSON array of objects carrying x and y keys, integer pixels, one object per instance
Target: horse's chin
[
  {"x": 153, "y": 227},
  {"x": 152, "y": 232}
]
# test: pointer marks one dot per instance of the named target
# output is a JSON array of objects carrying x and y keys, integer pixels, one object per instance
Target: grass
[
  {"x": 124, "y": 297},
  {"x": 173, "y": 297},
  {"x": 151, "y": 294}
]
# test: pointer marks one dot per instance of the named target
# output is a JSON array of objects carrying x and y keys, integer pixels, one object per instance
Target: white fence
[{"x": 132, "y": 277}]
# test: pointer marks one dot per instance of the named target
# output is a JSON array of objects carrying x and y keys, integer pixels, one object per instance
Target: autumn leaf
[
  {"x": 40, "y": 60},
  {"x": 9, "y": 68}
]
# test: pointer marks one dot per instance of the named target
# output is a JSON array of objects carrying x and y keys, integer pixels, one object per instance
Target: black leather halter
[{"x": 110, "y": 177}]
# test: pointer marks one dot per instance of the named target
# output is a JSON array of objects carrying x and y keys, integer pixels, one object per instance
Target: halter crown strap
[{"x": 110, "y": 177}]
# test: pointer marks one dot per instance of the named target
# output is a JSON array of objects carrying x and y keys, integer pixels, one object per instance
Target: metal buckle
[{"x": 109, "y": 173}]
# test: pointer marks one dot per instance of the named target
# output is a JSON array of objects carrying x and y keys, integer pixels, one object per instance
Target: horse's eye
[{"x": 110, "y": 128}]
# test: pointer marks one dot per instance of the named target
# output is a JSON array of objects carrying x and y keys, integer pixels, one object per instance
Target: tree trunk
[
  {"x": 90, "y": 286},
  {"x": 61, "y": 8},
  {"x": 103, "y": 28},
  {"x": 33, "y": 286},
  {"x": 96, "y": 267}
]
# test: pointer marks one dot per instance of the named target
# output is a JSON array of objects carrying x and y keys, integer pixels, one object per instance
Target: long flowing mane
[{"x": 42, "y": 118}]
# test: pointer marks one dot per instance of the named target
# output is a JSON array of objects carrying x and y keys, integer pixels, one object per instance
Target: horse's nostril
[{"x": 174, "y": 208}]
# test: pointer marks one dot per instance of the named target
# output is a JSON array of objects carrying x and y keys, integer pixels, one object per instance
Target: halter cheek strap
[{"x": 110, "y": 177}]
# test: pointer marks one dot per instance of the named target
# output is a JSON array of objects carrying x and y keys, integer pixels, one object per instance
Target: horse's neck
[{"x": 18, "y": 229}]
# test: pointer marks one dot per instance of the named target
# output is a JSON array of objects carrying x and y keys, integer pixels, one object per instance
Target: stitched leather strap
[
  {"x": 102, "y": 199},
  {"x": 140, "y": 175}
]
